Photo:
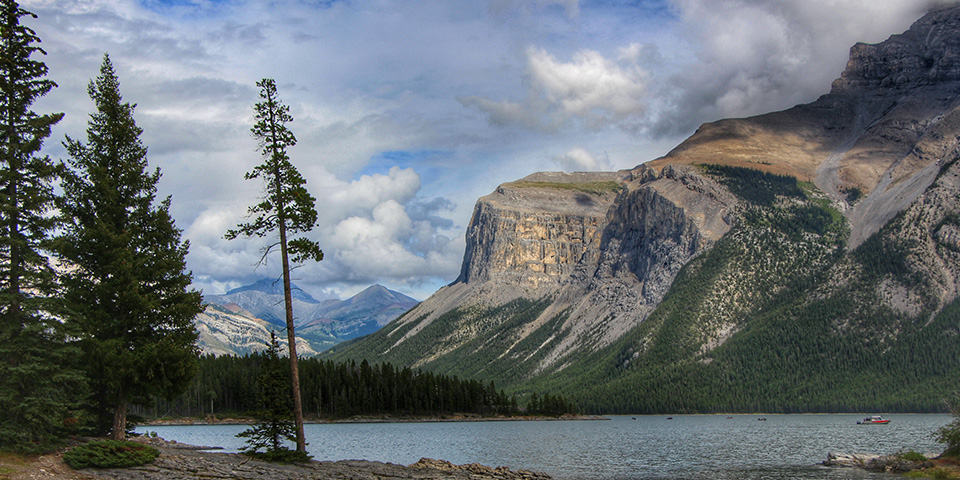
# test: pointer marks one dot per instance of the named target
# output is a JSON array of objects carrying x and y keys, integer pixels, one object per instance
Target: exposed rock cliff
[{"x": 600, "y": 249}]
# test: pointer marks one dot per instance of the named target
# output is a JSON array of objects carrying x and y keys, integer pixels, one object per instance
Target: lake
[{"x": 622, "y": 448}]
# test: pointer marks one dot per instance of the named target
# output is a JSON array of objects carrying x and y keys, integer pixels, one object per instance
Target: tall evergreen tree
[
  {"x": 286, "y": 209},
  {"x": 35, "y": 380},
  {"x": 128, "y": 291}
]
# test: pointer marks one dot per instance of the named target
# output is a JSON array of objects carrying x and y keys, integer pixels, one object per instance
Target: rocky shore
[
  {"x": 182, "y": 462},
  {"x": 877, "y": 463}
]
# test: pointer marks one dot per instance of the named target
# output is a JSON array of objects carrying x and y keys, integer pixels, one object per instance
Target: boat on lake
[{"x": 873, "y": 420}]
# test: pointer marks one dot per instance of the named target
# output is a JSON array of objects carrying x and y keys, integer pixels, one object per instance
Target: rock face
[
  {"x": 602, "y": 248},
  {"x": 875, "y": 463},
  {"x": 570, "y": 272},
  {"x": 230, "y": 330}
]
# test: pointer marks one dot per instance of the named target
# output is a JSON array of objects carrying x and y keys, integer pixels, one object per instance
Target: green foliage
[
  {"x": 286, "y": 209},
  {"x": 549, "y": 405},
  {"x": 755, "y": 186},
  {"x": 128, "y": 294},
  {"x": 110, "y": 454},
  {"x": 39, "y": 383},
  {"x": 853, "y": 194},
  {"x": 949, "y": 435},
  {"x": 594, "y": 188},
  {"x": 476, "y": 356},
  {"x": 912, "y": 456},
  {"x": 274, "y": 418},
  {"x": 227, "y": 385}
]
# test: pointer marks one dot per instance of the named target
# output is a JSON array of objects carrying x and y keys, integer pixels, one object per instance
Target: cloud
[
  {"x": 500, "y": 89},
  {"x": 727, "y": 58},
  {"x": 570, "y": 7},
  {"x": 580, "y": 160},
  {"x": 375, "y": 229},
  {"x": 755, "y": 56},
  {"x": 590, "y": 89}
]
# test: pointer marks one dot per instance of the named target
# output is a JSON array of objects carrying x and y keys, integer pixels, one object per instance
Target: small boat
[
  {"x": 873, "y": 420},
  {"x": 762, "y": 419}
]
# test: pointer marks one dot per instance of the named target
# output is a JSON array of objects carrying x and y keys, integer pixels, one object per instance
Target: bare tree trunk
[
  {"x": 292, "y": 341},
  {"x": 119, "y": 431}
]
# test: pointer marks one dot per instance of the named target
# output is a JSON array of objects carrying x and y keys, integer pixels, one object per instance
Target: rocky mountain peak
[
  {"x": 273, "y": 286},
  {"x": 928, "y": 54},
  {"x": 874, "y": 143}
]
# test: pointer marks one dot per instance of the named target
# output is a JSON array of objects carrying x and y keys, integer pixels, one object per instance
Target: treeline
[{"x": 227, "y": 385}]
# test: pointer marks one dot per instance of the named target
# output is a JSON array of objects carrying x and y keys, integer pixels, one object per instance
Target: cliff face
[
  {"x": 598, "y": 250},
  {"x": 695, "y": 265}
]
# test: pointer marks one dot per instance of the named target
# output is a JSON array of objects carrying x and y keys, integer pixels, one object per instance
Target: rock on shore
[
  {"x": 177, "y": 462},
  {"x": 875, "y": 463}
]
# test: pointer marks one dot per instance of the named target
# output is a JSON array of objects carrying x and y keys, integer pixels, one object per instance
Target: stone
[{"x": 183, "y": 463}]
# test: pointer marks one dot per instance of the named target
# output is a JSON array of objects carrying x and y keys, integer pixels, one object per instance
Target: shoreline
[
  {"x": 212, "y": 420},
  {"x": 178, "y": 461}
]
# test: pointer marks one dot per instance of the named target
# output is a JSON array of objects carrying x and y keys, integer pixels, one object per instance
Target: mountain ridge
[
  {"x": 319, "y": 324},
  {"x": 781, "y": 261}
]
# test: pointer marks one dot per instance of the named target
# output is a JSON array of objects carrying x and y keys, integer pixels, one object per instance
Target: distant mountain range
[{"x": 240, "y": 321}]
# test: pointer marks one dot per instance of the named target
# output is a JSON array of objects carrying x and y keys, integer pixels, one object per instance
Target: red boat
[{"x": 873, "y": 420}]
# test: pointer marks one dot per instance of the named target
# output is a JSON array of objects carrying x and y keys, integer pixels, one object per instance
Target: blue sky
[{"x": 408, "y": 111}]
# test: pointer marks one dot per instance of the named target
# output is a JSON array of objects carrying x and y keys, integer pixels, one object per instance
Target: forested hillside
[
  {"x": 777, "y": 318},
  {"x": 227, "y": 386}
]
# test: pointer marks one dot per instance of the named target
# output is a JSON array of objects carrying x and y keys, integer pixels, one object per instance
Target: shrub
[
  {"x": 109, "y": 454},
  {"x": 912, "y": 456},
  {"x": 949, "y": 435},
  {"x": 280, "y": 455}
]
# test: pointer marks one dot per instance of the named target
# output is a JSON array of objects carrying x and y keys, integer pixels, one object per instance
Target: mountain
[
  {"x": 230, "y": 330},
  {"x": 274, "y": 287},
  {"x": 319, "y": 324},
  {"x": 802, "y": 260}
]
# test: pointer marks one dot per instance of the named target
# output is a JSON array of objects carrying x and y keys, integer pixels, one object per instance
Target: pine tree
[
  {"x": 274, "y": 421},
  {"x": 287, "y": 209},
  {"x": 128, "y": 291},
  {"x": 36, "y": 381}
]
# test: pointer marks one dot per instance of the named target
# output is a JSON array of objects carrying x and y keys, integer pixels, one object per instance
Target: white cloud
[
  {"x": 590, "y": 88},
  {"x": 538, "y": 78},
  {"x": 755, "y": 56},
  {"x": 580, "y": 160}
]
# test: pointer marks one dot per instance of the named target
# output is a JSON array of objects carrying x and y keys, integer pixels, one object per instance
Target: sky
[{"x": 407, "y": 111}]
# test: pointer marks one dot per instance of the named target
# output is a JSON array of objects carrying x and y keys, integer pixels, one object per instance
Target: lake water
[{"x": 622, "y": 448}]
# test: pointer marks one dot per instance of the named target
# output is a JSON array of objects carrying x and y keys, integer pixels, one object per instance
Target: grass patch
[
  {"x": 5, "y": 472},
  {"x": 912, "y": 456},
  {"x": 594, "y": 188},
  {"x": 109, "y": 454}
]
